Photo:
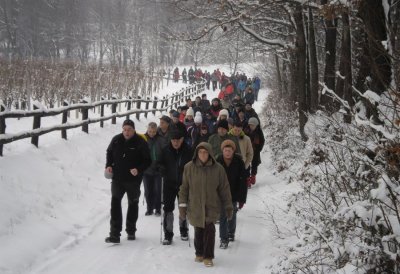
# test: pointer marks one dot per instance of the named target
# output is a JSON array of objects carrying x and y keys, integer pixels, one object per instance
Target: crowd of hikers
[{"x": 204, "y": 153}]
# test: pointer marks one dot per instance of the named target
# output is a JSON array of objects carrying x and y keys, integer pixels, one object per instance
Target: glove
[
  {"x": 182, "y": 212},
  {"x": 241, "y": 204},
  {"x": 229, "y": 214}
]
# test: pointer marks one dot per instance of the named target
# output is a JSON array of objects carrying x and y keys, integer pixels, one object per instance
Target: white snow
[{"x": 54, "y": 208}]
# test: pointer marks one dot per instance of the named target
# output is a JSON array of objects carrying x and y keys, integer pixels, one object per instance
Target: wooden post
[
  {"x": 85, "y": 116},
  {"x": 64, "y": 121},
  {"x": 138, "y": 107},
  {"x": 2, "y": 126},
  {"x": 129, "y": 106},
  {"x": 114, "y": 110},
  {"x": 147, "y": 106},
  {"x": 155, "y": 105},
  {"x": 102, "y": 112},
  {"x": 162, "y": 102},
  {"x": 36, "y": 124}
]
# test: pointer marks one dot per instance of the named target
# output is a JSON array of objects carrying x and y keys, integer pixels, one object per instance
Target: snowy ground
[{"x": 54, "y": 208}]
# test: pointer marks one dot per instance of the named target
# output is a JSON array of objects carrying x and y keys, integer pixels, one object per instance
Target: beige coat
[
  {"x": 204, "y": 188},
  {"x": 246, "y": 149}
]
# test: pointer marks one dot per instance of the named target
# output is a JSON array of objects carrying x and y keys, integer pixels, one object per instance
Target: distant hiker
[
  {"x": 128, "y": 156},
  {"x": 173, "y": 159},
  {"x": 204, "y": 189},
  {"x": 257, "y": 140}
]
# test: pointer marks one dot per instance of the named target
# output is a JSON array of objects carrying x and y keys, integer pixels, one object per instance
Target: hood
[{"x": 206, "y": 146}]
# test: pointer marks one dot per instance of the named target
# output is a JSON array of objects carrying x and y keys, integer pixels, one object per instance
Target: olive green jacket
[{"x": 204, "y": 189}]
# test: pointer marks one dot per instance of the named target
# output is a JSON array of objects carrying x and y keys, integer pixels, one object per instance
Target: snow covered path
[{"x": 55, "y": 202}]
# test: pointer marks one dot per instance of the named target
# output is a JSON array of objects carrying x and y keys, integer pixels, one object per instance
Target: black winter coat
[
  {"x": 124, "y": 155},
  {"x": 257, "y": 141},
  {"x": 236, "y": 174},
  {"x": 172, "y": 162}
]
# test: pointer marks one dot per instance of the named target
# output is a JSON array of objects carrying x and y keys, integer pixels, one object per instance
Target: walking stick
[{"x": 162, "y": 208}]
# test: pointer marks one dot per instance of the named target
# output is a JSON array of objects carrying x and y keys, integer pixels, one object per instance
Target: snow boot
[
  {"x": 113, "y": 240},
  {"x": 224, "y": 244},
  {"x": 184, "y": 236},
  {"x": 167, "y": 241},
  {"x": 131, "y": 237},
  {"x": 208, "y": 262},
  {"x": 198, "y": 259}
]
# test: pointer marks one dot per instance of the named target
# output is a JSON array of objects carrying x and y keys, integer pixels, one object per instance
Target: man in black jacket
[
  {"x": 173, "y": 159},
  {"x": 128, "y": 156}
]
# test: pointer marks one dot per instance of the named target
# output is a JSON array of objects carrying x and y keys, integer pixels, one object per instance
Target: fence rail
[{"x": 169, "y": 102}]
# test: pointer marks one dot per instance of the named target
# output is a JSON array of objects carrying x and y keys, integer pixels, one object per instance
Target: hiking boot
[
  {"x": 208, "y": 262},
  {"x": 131, "y": 237},
  {"x": 167, "y": 241},
  {"x": 224, "y": 244},
  {"x": 198, "y": 259},
  {"x": 113, "y": 240},
  {"x": 148, "y": 213},
  {"x": 184, "y": 236}
]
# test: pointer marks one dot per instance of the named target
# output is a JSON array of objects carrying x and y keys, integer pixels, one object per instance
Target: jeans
[
  {"x": 118, "y": 190},
  {"x": 226, "y": 227},
  {"x": 152, "y": 191}
]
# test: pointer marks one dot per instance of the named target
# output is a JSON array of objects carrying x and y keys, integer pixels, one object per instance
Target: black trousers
[
  {"x": 118, "y": 190},
  {"x": 152, "y": 191},
  {"x": 169, "y": 196},
  {"x": 204, "y": 241}
]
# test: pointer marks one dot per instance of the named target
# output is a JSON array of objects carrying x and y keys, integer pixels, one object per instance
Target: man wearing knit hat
[
  {"x": 194, "y": 130},
  {"x": 128, "y": 156},
  {"x": 235, "y": 171},
  {"x": 216, "y": 139}
]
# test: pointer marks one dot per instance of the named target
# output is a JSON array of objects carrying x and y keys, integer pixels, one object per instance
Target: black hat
[
  {"x": 238, "y": 123},
  {"x": 176, "y": 134},
  {"x": 128, "y": 122},
  {"x": 175, "y": 114},
  {"x": 223, "y": 124},
  {"x": 184, "y": 107},
  {"x": 166, "y": 119}
]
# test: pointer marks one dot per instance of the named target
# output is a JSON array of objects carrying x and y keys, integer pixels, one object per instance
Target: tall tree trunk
[
  {"x": 330, "y": 53},
  {"x": 312, "y": 49},
  {"x": 278, "y": 76},
  {"x": 301, "y": 68},
  {"x": 345, "y": 79}
]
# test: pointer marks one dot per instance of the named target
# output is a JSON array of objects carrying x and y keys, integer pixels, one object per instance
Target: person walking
[
  {"x": 236, "y": 173},
  {"x": 171, "y": 164},
  {"x": 257, "y": 140},
  {"x": 204, "y": 189},
  {"x": 128, "y": 156},
  {"x": 152, "y": 177},
  {"x": 216, "y": 139}
]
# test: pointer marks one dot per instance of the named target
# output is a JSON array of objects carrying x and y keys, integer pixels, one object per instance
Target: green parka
[{"x": 205, "y": 187}]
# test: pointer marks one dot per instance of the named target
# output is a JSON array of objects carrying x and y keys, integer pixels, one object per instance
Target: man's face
[
  {"x": 241, "y": 115},
  {"x": 252, "y": 127},
  {"x": 222, "y": 131},
  {"x": 163, "y": 125},
  {"x": 248, "y": 107},
  {"x": 128, "y": 132},
  {"x": 176, "y": 143},
  {"x": 215, "y": 103},
  {"x": 151, "y": 132},
  {"x": 203, "y": 155},
  {"x": 236, "y": 131},
  {"x": 227, "y": 152}
]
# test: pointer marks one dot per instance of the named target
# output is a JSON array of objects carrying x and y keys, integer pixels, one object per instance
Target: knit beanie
[
  {"x": 190, "y": 112},
  {"x": 253, "y": 121},
  {"x": 198, "y": 119},
  {"x": 224, "y": 112},
  {"x": 223, "y": 124}
]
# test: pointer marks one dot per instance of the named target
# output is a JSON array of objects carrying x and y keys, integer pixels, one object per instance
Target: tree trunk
[
  {"x": 330, "y": 54},
  {"x": 301, "y": 68},
  {"x": 278, "y": 77},
  {"x": 313, "y": 63}
]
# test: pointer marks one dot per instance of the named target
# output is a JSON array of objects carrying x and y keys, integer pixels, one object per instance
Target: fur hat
[
  {"x": 253, "y": 121},
  {"x": 190, "y": 112},
  {"x": 228, "y": 143},
  {"x": 128, "y": 122},
  {"x": 224, "y": 112},
  {"x": 198, "y": 119}
]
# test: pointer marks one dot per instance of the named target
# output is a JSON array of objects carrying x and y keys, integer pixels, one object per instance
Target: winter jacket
[
  {"x": 205, "y": 105},
  {"x": 257, "y": 141},
  {"x": 172, "y": 162},
  {"x": 181, "y": 127},
  {"x": 236, "y": 174},
  {"x": 249, "y": 98},
  {"x": 204, "y": 189},
  {"x": 246, "y": 148},
  {"x": 215, "y": 141},
  {"x": 251, "y": 113},
  {"x": 124, "y": 155},
  {"x": 156, "y": 145},
  {"x": 164, "y": 136}
]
